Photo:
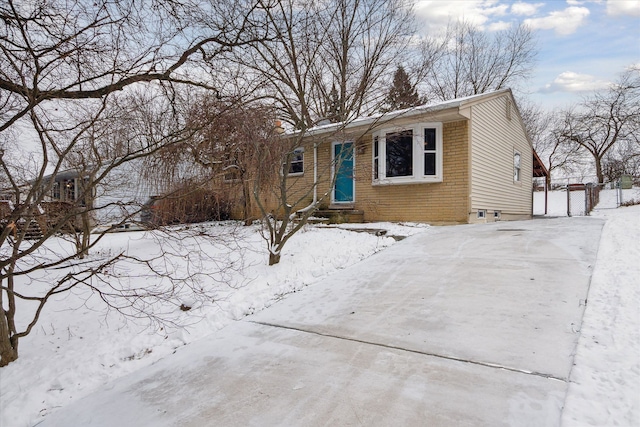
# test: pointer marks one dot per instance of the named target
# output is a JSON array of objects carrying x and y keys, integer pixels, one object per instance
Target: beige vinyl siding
[{"x": 494, "y": 139}]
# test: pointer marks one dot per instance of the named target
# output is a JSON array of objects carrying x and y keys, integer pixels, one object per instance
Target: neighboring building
[
  {"x": 461, "y": 161},
  {"x": 134, "y": 192},
  {"x": 121, "y": 195}
]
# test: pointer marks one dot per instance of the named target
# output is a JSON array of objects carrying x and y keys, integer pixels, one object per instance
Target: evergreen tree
[
  {"x": 402, "y": 93},
  {"x": 333, "y": 113}
]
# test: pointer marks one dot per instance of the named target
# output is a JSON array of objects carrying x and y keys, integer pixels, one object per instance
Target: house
[
  {"x": 118, "y": 197},
  {"x": 130, "y": 192},
  {"x": 462, "y": 161}
]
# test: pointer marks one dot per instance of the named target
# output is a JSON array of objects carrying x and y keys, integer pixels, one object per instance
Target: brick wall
[{"x": 444, "y": 202}]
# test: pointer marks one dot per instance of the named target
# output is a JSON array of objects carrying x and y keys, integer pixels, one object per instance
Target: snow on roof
[{"x": 408, "y": 112}]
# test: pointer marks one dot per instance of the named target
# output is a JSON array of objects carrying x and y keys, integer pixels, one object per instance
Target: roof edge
[{"x": 373, "y": 120}]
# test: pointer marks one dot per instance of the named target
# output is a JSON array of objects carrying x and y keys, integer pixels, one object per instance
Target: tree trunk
[
  {"x": 246, "y": 194},
  {"x": 274, "y": 258},
  {"x": 8, "y": 343},
  {"x": 599, "y": 173},
  {"x": 8, "y": 338},
  {"x": 86, "y": 235}
]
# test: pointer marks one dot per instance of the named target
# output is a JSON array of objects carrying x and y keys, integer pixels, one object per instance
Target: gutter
[{"x": 409, "y": 112}]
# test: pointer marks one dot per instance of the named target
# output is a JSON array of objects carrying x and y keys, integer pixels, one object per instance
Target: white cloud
[
  {"x": 563, "y": 22},
  {"x": 575, "y": 82},
  {"x": 499, "y": 26},
  {"x": 436, "y": 14},
  {"x": 581, "y": 2},
  {"x": 623, "y": 7},
  {"x": 526, "y": 9}
]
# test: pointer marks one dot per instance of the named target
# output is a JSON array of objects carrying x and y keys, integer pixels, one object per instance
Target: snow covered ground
[
  {"x": 605, "y": 380},
  {"x": 78, "y": 346}
]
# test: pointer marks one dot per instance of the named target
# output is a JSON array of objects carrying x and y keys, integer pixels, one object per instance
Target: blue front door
[{"x": 343, "y": 157}]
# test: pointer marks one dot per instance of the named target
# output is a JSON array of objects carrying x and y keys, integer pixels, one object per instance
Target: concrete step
[{"x": 341, "y": 216}]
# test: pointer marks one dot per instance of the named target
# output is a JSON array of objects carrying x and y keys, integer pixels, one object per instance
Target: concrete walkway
[{"x": 470, "y": 325}]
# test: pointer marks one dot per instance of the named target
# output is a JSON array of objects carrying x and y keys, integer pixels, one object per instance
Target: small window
[
  {"x": 496, "y": 214},
  {"x": 430, "y": 151},
  {"x": 516, "y": 167},
  {"x": 376, "y": 158},
  {"x": 399, "y": 152},
  {"x": 297, "y": 162},
  {"x": 55, "y": 191},
  {"x": 482, "y": 213},
  {"x": 231, "y": 174},
  {"x": 69, "y": 190}
]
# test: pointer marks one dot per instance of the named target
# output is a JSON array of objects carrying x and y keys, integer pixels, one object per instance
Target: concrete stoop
[{"x": 341, "y": 216}]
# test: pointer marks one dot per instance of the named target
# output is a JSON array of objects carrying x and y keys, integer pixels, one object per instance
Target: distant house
[
  {"x": 133, "y": 192},
  {"x": 120, "y": 196},
  {"x": 462, "y": 161}
]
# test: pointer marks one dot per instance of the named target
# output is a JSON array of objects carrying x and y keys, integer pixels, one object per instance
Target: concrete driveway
[{"x": 471, "y": 325}]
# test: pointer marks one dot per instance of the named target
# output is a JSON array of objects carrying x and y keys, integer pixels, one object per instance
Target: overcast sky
[{"x": 583, "y": 45}]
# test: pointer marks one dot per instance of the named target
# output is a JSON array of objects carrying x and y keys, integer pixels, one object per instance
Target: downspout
[{"x": 315, "y": 173}]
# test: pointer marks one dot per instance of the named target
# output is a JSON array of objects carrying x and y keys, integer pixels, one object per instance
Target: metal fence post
[
  {"x": 619, "y": 200},
  {"x": 587, "y": 192},
  {"x": 568, "y": 200}
]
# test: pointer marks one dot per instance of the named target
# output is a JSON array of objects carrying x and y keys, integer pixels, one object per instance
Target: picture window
[
  {"x": 410, "y": 155},
  {"x": 399, "y": 146}
]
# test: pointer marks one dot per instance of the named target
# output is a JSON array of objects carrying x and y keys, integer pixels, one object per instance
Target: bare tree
[
  {"x": 366, "y": 40},
  {"x": 468, "y": 61},
  {"x": 543, "y": 130},
  {"x": 322, "y": 61},
  {"x": 327, "y": 59},
  {"x": 624, "y": 160},
  {"x": 605, "y": 120},
  {"x": 64, "y": 67},
  {"x": 228, "y": 144},
  {"x": 29, "y": 224},
  {"x": 287, "y": 203}
]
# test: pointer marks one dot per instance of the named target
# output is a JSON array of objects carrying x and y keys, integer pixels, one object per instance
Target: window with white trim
[
  {"x": 297, "y": 162},
  {"x": 408, "y": 155},
  {"x": 55, "y": 190},
  {"x": 376, "y": 158},
  {"x": 516, "y": 166},
  {"x": 399, "y": 153},
  {"x": 69, "y": 186},
  {"x": 430, "y": 152}
]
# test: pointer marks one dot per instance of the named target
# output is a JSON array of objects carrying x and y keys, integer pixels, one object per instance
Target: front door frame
[{"x": 334, "y": 179}]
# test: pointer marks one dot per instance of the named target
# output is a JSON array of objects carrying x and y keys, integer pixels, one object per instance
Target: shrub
[
  {"x": 187, "y": 205},
  {"x": 631, "y": 202}
]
